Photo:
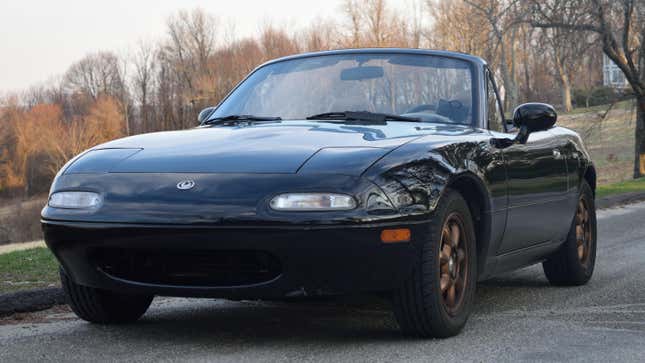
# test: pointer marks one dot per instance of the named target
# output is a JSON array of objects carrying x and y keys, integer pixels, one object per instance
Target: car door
[
  {"x": 537, "y": 186},
  {"x": 536, "y": 175}
]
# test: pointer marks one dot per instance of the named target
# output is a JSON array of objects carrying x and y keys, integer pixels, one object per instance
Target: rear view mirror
[
  {"x": 528, "y": 117},
  {"x": 533, "y": 117},
  {"x": 205, "y": 114},
  {"x": 361, "y": 73}
]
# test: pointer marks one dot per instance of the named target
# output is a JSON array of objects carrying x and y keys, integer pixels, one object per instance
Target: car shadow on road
[
  {"x": 254, "y": 322},
  {"x": 347, "y": 320}
]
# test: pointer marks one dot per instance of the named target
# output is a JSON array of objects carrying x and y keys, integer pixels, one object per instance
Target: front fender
[{"x": 415, "y": 176}]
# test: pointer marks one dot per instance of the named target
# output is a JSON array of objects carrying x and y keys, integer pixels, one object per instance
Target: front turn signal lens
[
  {"x": 74, "y": 200},
  {"x": 312, "y": 202},
  {"x": 396, "y": 235}
]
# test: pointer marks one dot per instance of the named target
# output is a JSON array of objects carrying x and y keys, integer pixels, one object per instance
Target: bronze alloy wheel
[
  {"x": 573, "y": 263},
  {"x": 453, "y": 261},
  {"x": 583, "y": 232},
  {"x": 436, "y": 300}
]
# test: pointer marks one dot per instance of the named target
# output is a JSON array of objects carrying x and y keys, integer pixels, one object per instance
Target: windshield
[{"x": 430, "y": 88}]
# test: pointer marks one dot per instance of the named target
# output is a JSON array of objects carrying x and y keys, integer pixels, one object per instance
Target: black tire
[
  {"x": 420, "y": 306},
  {"x": 567, "y": 266},
  {"x": 102, "y": 306}
]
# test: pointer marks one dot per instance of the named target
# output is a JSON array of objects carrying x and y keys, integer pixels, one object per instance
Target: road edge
[
  {"x": 618, "y": 200},
  {"x": 27, "y": 301}
]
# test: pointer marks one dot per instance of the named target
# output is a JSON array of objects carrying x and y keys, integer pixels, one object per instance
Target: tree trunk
[
  {"x": 563, "y": 77},
  {"x": 639, "y": 159},
  {"x": 528, "y": 96},
  {"x": 510, "y": 97},
  {"x": 566, "y": 92},
  {"x": 510, "y": 89}
]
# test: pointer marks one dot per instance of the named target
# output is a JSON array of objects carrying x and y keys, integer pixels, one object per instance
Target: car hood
[
  {"x": 236, "y": 170},
  {"x": 257, "y": 148}
]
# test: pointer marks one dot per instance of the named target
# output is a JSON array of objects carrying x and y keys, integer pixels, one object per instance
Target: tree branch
[
  {"x": 579, "y": 27},
  {"x": 628, "y": 11}
]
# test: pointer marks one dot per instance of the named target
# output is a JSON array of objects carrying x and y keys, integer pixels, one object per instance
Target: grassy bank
[
  {"x": 27, "y": 269},
  {"x": 636, "y": 185},
  {"x": 608, "y": 136}
]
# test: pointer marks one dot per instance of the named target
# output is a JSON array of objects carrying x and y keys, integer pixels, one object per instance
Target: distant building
[{"x": 612, "y": 76}]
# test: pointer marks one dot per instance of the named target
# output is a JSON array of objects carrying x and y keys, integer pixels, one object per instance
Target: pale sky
[{"x": 40, "y": 39}]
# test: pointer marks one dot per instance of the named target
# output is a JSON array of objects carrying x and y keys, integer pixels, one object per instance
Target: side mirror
[
  {"x": 205, "y": 114},
  {"x": 532, "y": 117}
]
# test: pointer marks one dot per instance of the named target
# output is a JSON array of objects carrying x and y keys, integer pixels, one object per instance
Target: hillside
[{"x": 610, "y": 140}]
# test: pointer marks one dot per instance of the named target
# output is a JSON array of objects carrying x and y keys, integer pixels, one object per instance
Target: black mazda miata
[{"x": 372, "y": 170}]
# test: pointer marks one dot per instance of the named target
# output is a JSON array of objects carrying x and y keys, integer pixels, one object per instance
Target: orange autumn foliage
[
  {"x": 103, "y": 122},
  {"x": 42, "y": 140}
]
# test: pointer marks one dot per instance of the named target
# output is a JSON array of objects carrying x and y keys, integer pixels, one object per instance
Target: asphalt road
[{"x": 518, "y": 317}]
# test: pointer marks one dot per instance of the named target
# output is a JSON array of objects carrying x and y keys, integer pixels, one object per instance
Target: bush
[{"x": 595, "y": 96}]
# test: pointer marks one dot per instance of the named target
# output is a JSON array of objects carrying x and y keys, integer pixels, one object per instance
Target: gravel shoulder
[
  {"x": 617, "y": 200},
  {"x": 21, "y": 246}
]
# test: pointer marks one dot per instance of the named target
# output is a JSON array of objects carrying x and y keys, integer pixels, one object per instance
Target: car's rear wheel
[
  {"x": 436, "y": 299},
  {"x": 574, "y": 262},
  {"x": 102, "y": 306}
]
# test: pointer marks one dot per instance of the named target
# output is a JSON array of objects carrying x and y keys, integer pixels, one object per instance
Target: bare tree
[
  {"x": 276, "y": 42},
  {"x": 500, "y": 15},
  {"x": 144, "y": 62},
  {"x": 372, "y": 23},
  {"x": 184, "y": 65},
  {"x": 416, "y": 27},
  {"x": 353, "y": 11},
  {"x": 566, "y": 48},
  {"x": 377, "y": 21},
  {"x": 470, "y": 36},
  {"x": 620, "y": 27},
  {"x": 322, "y": 35},
  {"x": 528, "y": 54},
  {"x": 96, "y": 74},
  {"x": 192, "y": 42}
]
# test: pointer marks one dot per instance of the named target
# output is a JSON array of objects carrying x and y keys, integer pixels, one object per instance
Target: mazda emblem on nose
[{"x": 185, "y": 184}]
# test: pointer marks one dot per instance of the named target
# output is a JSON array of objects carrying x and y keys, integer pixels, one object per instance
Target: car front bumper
[{"x": 239, "y": 262}]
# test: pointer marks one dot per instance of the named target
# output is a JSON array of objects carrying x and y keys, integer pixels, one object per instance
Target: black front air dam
[{"x": 264, "y": 262}]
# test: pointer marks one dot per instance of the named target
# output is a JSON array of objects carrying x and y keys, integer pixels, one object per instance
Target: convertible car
[{"x": 390, "y": 171}]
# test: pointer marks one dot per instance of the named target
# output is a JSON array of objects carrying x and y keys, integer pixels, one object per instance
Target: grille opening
[{"x": 219, "y": 268}]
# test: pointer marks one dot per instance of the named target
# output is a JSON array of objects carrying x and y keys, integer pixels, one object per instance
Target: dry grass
[
  {"x": 20, "y": 220},
  {"x": 610, "y": 141}
]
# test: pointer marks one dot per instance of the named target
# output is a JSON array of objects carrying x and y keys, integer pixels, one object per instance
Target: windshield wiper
[
  {"x": 362, "y": 116},
  {"x": 234, "y": 119}
]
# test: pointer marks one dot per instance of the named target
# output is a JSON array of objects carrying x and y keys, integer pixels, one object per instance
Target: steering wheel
[{"x": 455, "y": 104}]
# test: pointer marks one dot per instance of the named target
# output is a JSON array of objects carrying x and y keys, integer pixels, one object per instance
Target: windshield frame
[{"x": 475, "y": 64}]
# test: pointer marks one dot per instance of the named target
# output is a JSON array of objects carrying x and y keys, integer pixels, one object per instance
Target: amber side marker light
[{"x": 395, "y": 235}]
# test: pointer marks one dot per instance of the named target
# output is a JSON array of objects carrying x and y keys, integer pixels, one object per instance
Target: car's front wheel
[
  {"x": 436, "y": 299},
  {"x": 102, "y": 306}
]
